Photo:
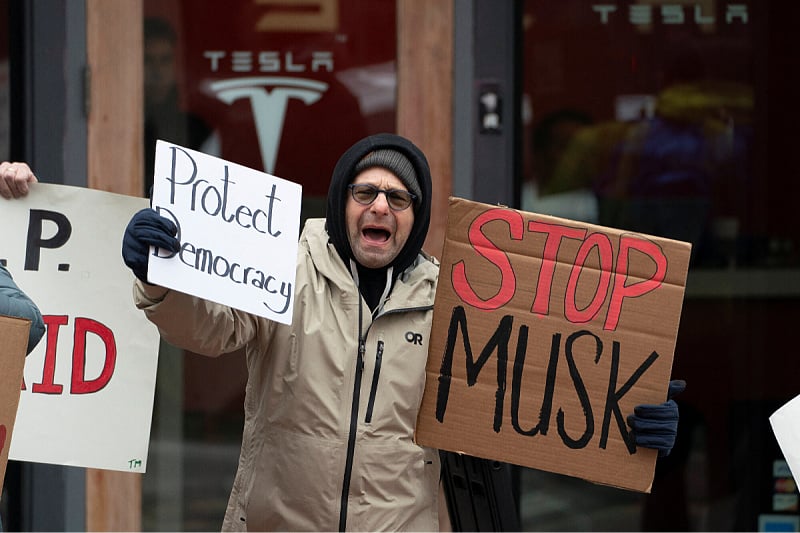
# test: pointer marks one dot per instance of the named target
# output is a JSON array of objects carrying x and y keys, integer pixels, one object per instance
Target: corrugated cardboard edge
[{"x": 13, "y": 348}]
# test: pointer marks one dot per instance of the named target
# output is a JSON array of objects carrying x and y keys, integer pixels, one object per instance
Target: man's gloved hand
[
  {"x": 147, "y": 228},
  {"x": 656, "y": 426}
]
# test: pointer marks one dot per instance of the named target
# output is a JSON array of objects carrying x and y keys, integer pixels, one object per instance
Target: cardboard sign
[
  {"x": 89, "y": 383},
  {"x": 546, "y": 333},
  {"x": 13, "y": 345},
  {"x": 238, "y": 229}
]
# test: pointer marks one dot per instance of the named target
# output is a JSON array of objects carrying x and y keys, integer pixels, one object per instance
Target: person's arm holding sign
[
  {"x": 14, "y": 302},
  {"x": 656, "y": 426},
  {"x": 15, "y": 179},
  {"x": 226, "y": 241},
  {"x": 193, "y": 323}
]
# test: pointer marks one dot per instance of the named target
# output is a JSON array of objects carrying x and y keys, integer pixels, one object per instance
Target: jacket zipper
[
  {"x": 374, "y": 389},
  {"x": 351, "y": 439}
]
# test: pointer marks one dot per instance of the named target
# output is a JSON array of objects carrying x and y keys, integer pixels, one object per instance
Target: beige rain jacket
[{"x": 300, "y": 411}]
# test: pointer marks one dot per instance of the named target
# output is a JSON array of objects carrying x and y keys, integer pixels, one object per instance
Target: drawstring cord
[{"x": 386, "y": 288}]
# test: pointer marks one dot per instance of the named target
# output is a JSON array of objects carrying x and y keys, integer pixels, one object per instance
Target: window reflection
[
  {"x": 164, "y": 116},
  {"x": 640, "y": 116},
  {"x": 659, "y": 117}
]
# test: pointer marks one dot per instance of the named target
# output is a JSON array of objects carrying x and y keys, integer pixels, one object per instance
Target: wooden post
[
  {"x": 116, "y": 96},
  {"x": 425, "y": 97},
  {"x": 115, "y": 164},
  {"x": 425, "y": 111}
]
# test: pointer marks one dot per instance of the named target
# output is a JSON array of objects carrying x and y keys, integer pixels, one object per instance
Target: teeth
[{"x": 376, "y": 234}]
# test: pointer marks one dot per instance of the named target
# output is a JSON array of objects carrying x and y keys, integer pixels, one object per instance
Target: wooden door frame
[
  {"x": 425, "y": 97},
  {"x": 115, "y": 88}
]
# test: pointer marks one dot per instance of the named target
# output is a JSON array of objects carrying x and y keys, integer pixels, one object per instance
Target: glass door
[{"x": 673, "y": 118}]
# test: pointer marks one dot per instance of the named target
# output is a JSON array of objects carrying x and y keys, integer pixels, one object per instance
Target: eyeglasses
[{"x": 365, "y": 194}]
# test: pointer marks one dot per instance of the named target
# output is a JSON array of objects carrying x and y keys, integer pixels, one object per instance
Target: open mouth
[{"x": 376, "y": 235}]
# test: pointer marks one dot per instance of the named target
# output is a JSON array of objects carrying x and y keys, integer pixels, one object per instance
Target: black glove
[
  {"x": 656, "y": 426},
  {"x": 147, "y": 228}
]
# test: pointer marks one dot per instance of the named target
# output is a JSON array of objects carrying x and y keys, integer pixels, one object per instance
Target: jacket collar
[{"x": 414, "y": 287}]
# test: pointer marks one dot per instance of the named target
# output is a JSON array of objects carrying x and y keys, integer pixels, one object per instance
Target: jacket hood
[{"x": 343, "y": 175}]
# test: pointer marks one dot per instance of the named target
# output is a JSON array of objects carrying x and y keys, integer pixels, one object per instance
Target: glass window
[
  {"x": 641, "y": 117},
  {"x": 282, "y": 87},
  {"x": 668, "y": 117}
]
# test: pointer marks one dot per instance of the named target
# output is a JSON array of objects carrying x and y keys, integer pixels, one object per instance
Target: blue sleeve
[{"x": 14, "y": 302}]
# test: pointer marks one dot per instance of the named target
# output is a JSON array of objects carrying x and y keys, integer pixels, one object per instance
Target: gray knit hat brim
[{"x": 395, "y": 162}]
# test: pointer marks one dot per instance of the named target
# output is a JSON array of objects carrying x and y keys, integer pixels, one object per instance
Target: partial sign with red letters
[
  {"x": 87, "y": 393},
  {"x": 13, "y": 345},
  {"x": 546, "y": 333}
]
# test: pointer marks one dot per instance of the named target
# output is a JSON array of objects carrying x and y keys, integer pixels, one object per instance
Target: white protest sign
[
  {"x": 785, "y": 424},
  {"x": 87, "y": 397},
  {"x": 238, "y": 229}
]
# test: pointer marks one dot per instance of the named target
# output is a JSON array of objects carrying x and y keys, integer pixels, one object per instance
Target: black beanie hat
[{"x": 346, "y": 170}]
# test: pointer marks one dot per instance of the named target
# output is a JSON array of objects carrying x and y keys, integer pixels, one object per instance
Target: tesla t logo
[{"x": 269, "y": 97}]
